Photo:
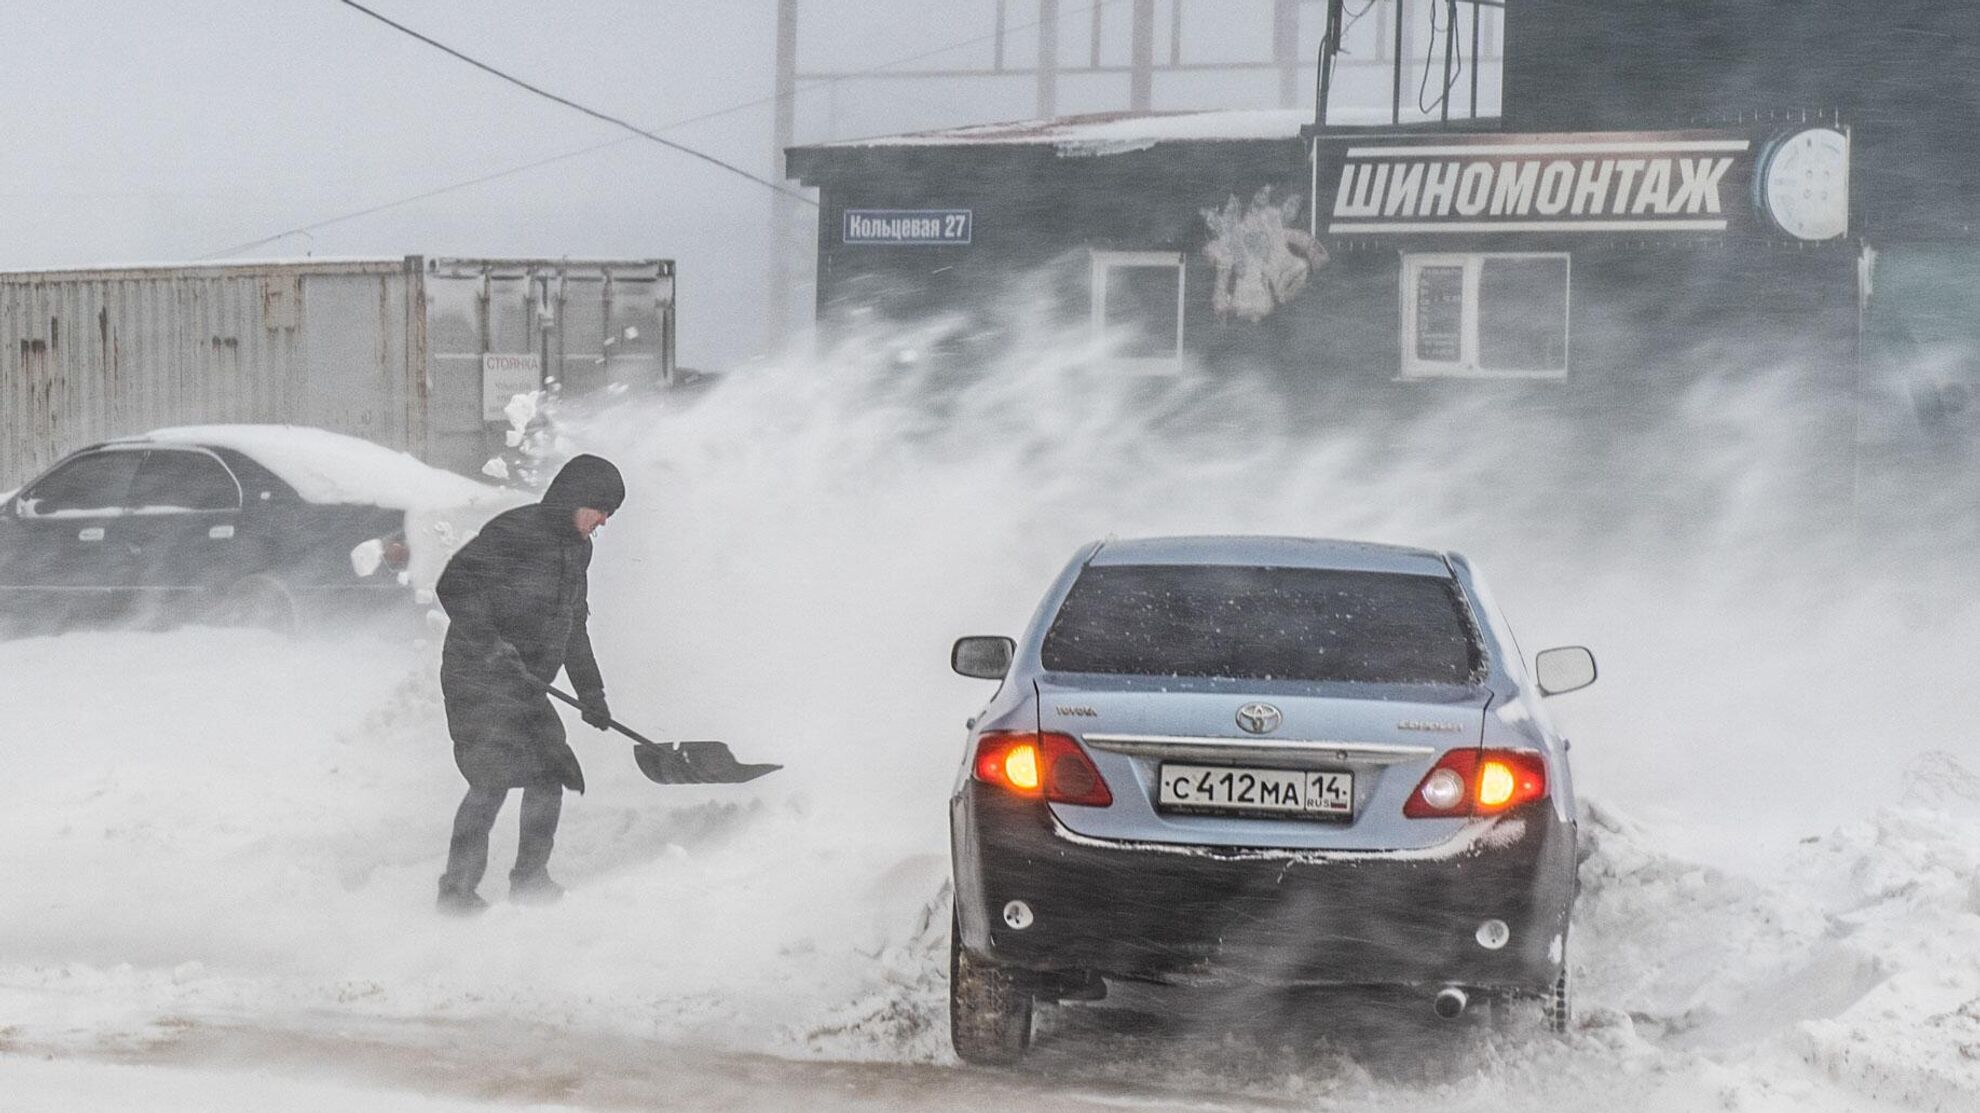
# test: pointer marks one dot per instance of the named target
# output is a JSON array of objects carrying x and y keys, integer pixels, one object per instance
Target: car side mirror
[
  {"x": 983, "y": 657},
  {"x": 1568, "y": 669}
]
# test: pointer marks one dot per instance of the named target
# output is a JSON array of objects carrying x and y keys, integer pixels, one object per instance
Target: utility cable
[
  {"x": 741, "y": 106},
  {"x": 305, "y": 229},
  {"x": 571, "y": 104},
  {"x": 1451, "y": 46}
]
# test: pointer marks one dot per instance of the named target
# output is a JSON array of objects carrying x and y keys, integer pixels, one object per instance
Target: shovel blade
[{"x": 695, "y": 763}]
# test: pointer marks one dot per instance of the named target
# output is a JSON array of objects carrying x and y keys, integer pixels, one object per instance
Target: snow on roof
[
  {"x": 1105, "y": 133},
  {"x": 326, "y": 467}
]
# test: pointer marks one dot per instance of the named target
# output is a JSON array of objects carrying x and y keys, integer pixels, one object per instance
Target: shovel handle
[{"x": 615, "y": 724}]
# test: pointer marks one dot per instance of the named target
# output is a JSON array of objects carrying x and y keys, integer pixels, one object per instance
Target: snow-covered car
[
  {"x": 242, "y": 524},
  {"x": 1270, "y": 762}
]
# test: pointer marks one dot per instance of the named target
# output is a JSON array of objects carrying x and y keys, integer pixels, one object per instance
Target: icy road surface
[{"x": 221, "y": 853}]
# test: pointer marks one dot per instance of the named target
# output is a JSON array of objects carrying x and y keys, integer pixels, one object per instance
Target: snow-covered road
[
  {"x": 218, "y": 849},
  {"x": 222, "y": 847}
]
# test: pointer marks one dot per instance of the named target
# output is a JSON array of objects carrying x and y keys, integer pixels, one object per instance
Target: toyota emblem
[{"x": 1259, "y": 718}]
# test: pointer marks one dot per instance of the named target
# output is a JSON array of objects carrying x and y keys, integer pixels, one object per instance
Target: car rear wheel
[
  {"x": 989, "y": 1008},
  {"x": 257, "y": 603}
]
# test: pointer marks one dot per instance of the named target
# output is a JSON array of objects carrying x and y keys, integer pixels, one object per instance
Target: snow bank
[{"x": 1854, "y": 958}]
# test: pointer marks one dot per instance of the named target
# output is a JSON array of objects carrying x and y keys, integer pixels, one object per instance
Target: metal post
[
  {"x": 1141, "y": 78},
  {"x": 783, "y": 210},
  {"x": 669, "y": 328},
  {"x": 1395, "y": 94},
  {"x": 1285, "y": 49},
  {"x": 998, "y": 54},
  {"x": 1477, "y": 58},
  {"x": 1330, "y": 45},
  {"x": 1175, "y": 32},
  {"x": 1450, "y": 50},
  {"x": 1048, "y": 58}
]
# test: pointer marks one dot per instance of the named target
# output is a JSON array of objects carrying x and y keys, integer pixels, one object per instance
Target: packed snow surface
[
  {"x": 248, "y": 836},
  {"x": 328, "y": 467},
  {"x": 223, "y": 845}
]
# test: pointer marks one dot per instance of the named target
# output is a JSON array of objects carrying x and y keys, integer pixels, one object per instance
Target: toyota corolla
[{"x": 1265, "y": 762}]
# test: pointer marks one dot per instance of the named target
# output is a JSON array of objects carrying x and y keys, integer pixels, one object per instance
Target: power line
[
  {"x": 417, "y": 197},
  {"x": 571, "y": 104},
  {"x": 741, "y": 106}
]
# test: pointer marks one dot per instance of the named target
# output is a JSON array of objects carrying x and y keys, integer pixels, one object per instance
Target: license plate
[{"x": 1222, "y": 788}]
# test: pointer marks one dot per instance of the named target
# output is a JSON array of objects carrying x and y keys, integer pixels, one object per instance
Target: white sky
[{"x": 150, "y": 130}]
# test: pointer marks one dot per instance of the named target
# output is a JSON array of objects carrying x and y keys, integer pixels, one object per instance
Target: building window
[
  {"x": 1138, "y": 303},
  {"x": 1489, "y": 316}
]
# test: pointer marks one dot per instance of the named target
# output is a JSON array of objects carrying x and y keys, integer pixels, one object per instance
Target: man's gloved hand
[{"x": 591, "y": 708}]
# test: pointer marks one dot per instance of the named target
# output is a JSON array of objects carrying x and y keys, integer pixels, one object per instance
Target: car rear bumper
[{"x": 1192, "y": 916}]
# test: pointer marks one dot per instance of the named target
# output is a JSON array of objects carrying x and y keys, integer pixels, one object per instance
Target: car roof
[
  {"x": 1273, "y": 552},
  {"x": 333, "y": 468}
]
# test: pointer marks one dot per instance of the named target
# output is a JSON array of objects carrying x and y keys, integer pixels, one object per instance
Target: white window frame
[
  {"x": 1106, "y": 261},
  {"x": 1466, "y": 365}
]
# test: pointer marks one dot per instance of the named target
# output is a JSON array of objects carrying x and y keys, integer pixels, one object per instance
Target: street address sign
[{"x": 908, "y": 227}]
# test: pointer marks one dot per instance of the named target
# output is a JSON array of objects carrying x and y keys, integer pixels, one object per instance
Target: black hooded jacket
[{"x": 516, "y": 598}]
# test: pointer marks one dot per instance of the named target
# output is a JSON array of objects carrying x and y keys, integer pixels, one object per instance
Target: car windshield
[{"x": 1298, "y": 624}]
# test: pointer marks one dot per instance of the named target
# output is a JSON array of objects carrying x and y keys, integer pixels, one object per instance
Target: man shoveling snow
[{"x": 516, "y": 598}]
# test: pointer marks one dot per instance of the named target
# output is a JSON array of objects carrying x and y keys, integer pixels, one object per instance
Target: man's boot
[
  {"x": 534, "y": 888},
  {"x": 460, "y": 902}
]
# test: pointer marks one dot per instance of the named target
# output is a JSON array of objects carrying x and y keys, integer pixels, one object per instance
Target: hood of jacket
[{"x": 587, "y": 481}]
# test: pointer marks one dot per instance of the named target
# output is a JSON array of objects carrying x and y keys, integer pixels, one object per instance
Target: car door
[
  {"x": 63, "y": 537},
  {"x": 183, "y": 524}
]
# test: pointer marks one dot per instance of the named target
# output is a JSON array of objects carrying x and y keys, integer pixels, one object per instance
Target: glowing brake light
[
  {"x": 1495, "y": 784},
  {"x": 1478, "y": 782},
  {"x": 1048, "y": 765},
  {"x": 1021, "y": 767}
]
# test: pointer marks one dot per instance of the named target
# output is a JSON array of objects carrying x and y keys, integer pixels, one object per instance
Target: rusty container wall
[
  {"x": 593, "y": 326},
  {"x": 89, "y": 355}
]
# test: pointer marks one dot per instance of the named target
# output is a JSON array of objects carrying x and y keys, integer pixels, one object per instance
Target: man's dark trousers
[{"x": 467, "y": 855}]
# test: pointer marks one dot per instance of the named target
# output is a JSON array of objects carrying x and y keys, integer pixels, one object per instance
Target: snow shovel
[{"x": 682, "y": 763}]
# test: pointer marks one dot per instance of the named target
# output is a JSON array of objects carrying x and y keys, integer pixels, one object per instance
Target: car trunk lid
[{"x": 1386, "y": 737}]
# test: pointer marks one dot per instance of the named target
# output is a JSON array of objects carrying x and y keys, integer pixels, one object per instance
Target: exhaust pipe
[{"x": 1450, "y": 1002}]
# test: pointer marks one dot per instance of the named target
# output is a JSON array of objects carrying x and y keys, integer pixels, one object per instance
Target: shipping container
[{"x": 416, "y": 354}]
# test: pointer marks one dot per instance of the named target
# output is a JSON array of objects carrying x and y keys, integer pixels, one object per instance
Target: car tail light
[
  {"x": 1478, "y": 782},
  {"x": 397, "y": 553},
  {"x": 1048, "y": 765}
]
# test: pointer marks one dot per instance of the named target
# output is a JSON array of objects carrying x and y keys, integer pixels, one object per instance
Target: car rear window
[
  {"x": 174, "y": 479},
  {"x": 1301, "y": 624}
]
